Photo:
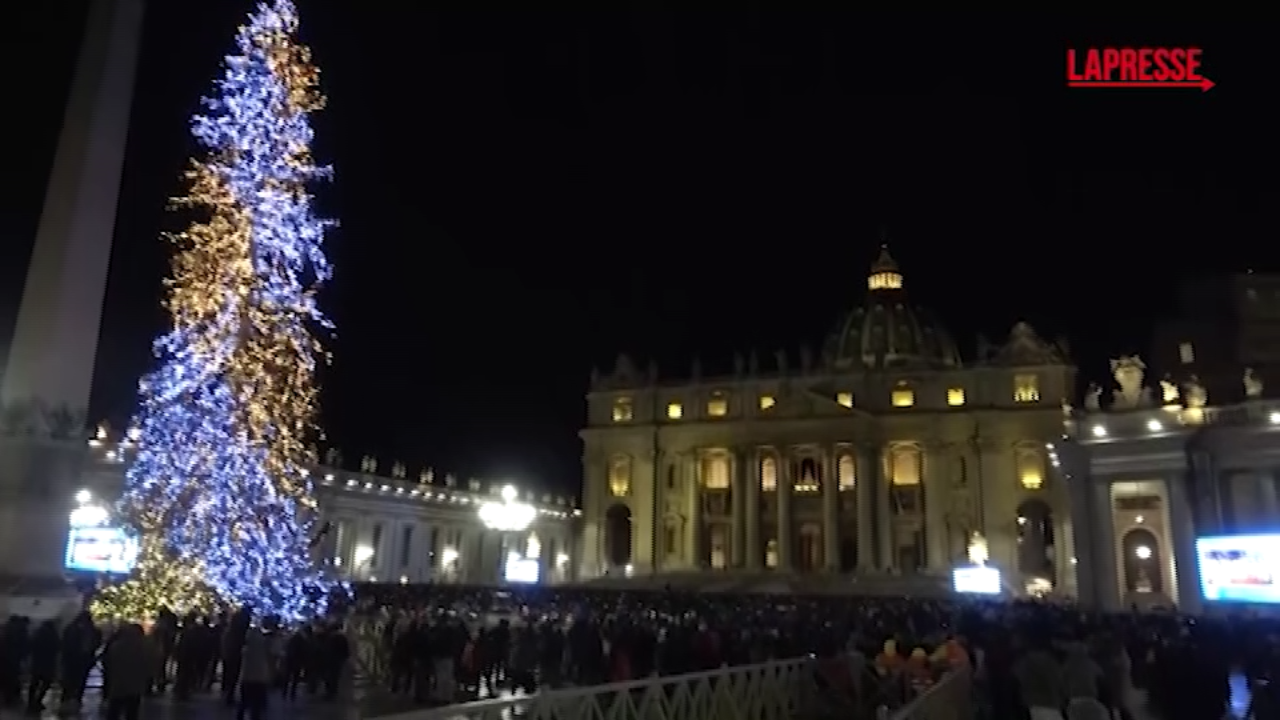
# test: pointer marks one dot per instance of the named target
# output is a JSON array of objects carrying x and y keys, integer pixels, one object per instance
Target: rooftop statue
[{"x": 1129, "y": 372}]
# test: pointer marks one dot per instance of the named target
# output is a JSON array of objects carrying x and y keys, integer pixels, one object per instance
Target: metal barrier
[
  {"x": 951, "y": 698},
  {"x": 768, "y": 691}
]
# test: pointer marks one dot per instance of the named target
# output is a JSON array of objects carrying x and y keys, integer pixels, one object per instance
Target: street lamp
[
  {"x": 508, "y": 517},
  {"x": 88, "y": 513}
]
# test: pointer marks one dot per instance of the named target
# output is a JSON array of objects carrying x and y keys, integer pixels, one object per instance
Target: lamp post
[{"x": 509, "y": 517}]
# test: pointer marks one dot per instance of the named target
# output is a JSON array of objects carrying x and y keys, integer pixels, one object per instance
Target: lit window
[
  {"x": 1030, "y": 469},
  {"x": 623, "y": 410},
  {"x": 884, "y": 281},
  {"x": 675, "y": 411},
  {"x": 771, "y": 554},
  {"x": 718, "y": 406},
  {"x": 1026, "y": 388},
  {"x": 845, "y": 399},
  {"x": 716, "y": 472},
  {"x": 903, "y": 397},
  {"x": 904, "y": 466},
  {"x": 955, "y": 397},
  {"x": 1186, "y": 353},
  {"x": 620, "y": 476},
  {"x": 768, "y": 474},
  {"x": 846, "y": 472},
  {"x": 767, "y": 402}
]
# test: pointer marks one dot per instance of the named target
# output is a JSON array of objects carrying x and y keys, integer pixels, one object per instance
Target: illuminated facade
[
  {"x": 1155, "y": 468},
  {"x": 884, "y": 454},
  {"x": 390, "y": 527}
]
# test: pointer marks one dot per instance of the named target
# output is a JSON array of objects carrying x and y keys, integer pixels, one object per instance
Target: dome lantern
[{"x": 884, "y": 272}]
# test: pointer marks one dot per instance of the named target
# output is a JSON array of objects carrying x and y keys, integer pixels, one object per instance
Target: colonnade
[{"x": 372, "y": 547}]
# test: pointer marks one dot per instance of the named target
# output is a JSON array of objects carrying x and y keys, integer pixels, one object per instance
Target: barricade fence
[{"x": 778, "y": 690}]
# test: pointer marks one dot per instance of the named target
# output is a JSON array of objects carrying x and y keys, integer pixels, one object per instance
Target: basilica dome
[{"x": 887, "y": 331}]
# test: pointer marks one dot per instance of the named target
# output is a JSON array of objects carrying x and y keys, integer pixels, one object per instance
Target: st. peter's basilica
[{"x": 884, "y": 454}]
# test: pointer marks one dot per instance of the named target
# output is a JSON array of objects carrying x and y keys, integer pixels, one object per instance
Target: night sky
[{"x": 525, "y": 195}]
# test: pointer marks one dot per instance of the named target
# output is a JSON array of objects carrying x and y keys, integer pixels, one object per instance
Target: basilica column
[
  {"x": 738, "y": 496},
  {"x": 865, "y": 481},
  {"x": 935, "y": 507},
  {"x": 751, "y": 507},
  {"x": 784, "y": 509},
  {"x": 830, "y": 512},
  {"x": 692, "y": 469},
  {"x": 884, "y": 510}
]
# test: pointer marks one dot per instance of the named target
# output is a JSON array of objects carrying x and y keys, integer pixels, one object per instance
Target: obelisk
[{"x": 47, "y": 380}]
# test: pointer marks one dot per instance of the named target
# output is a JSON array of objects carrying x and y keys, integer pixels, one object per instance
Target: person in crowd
[
  {"x": 44, "y": 665},
  {"x": 257, "y": 673},
  {"x": 129, "y": 663}
]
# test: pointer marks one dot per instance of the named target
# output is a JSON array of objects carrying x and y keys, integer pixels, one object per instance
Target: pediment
[{"x": 1025, "y": 347}]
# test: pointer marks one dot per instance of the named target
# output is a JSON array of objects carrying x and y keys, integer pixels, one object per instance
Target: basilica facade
[{"x": 886, "y": 453}]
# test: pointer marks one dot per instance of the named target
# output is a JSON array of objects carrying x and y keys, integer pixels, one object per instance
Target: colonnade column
[
  {"x": 784, "y": 509},
  {"x": 884, "y": 511},
  {"x": 752, "y": 502},
  {"x": 1182, "y": 545},
  {"x": 1266, "y": 480},
  {"x": 935, "y": 504},
  {"x": 738, "y": 496},
  {"x": 864, "y": 488},
  {"x": 830, "y": 512}
]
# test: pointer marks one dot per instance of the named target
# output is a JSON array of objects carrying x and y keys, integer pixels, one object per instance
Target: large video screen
[
  {"x": 521, "y": 570},
  {"x": 977, "y": 580},
  {"x": 101, "y": 550},
  {"x": 1240, "y": 568}
]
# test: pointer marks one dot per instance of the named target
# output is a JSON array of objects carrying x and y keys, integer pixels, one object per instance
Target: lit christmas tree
[{"x": 219, "y": 489}]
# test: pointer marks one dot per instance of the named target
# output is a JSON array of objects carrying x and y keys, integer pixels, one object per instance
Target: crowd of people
[
  {"x": 186, "y": 657},
  {"x": 439, "y": 644}
]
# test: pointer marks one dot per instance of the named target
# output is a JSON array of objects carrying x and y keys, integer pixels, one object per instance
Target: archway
[
  {"x": 810, "y": 548},
  {"x": 1140, "y": 551},
  {"x": 617, "y": 536},
  {"x": 1035, "y": 539}
]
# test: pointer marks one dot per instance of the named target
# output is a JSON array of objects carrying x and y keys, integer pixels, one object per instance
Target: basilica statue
[
  {"x": 1252, "y": 384},
  {"x": 978, "y": 552}
]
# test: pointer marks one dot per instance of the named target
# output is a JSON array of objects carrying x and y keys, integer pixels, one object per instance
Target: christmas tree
[{"x": 219, "y": 489}]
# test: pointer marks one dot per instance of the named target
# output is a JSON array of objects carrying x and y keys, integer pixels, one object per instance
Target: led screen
[
  {"x": 976, "y": 580},
  {"x": 1240, "y": 568},
  {"x": 101, "y": 550},
  {"x": 520, "y": 570}
]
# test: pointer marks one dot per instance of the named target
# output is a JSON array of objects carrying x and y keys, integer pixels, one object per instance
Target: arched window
[
  {"x": 768, "y": 474},
  {"x": 846, "y": 472},
  {"x": 620, "y": 476},
  {"x": 1030, "y": 467},
  {"x": 807, "y": 479},
  {"x": 715, "y": 470}
]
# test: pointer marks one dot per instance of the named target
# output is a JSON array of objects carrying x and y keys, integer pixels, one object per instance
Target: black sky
[{"x": 525, "y": 194}]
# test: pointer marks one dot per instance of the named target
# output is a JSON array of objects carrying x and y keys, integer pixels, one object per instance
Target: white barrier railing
[
  {"x": 950, "y": 699},
  {"x": 768, "y": 691}
]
